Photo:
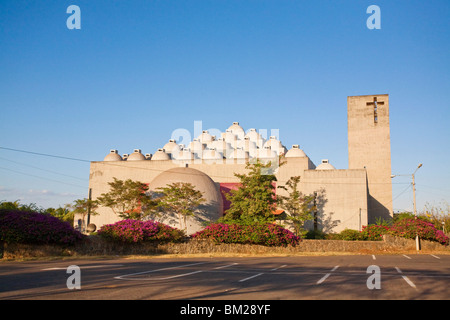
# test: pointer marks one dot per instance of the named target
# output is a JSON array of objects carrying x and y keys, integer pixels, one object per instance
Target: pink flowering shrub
[
  {"x": 17, "y": 226},
  {"x": 407, "y": 228},
  {"x": 266, "y": 234},
  {"x": 135, "y": 231}
]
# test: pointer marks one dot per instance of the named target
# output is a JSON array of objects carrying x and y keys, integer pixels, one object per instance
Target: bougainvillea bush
[
  {"x": 374, "y": 232},
  {"x": 407, "y": 228},
  {"x": 17, "y": 226},
  {"x": 267, "y": 234},
  {"x": 136, "y": 231}
]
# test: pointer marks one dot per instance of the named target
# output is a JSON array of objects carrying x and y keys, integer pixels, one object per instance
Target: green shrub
[
  {"x": 316, "y": 234},
  {"x": 350, "y": 234}
]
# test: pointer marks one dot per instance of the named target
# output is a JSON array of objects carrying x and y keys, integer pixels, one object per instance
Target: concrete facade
[
  {"x": 345, "y": 198},
  {"x": 369, "y": 147}
]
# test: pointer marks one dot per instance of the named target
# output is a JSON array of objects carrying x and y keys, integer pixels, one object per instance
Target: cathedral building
[{"x": 345, "y": 198}]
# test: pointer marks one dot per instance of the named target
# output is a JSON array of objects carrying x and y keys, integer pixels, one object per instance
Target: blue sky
[{"x": 137, "y": 70}]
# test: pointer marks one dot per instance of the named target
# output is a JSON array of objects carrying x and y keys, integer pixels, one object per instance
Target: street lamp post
[
  {"x": 414, "y": 199},
  {"x": 415, "y": 209}
]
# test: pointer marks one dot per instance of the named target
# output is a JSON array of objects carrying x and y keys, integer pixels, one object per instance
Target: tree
[
  {"x": 83, "y": 207},
  {"x": 180, "y": 198},
  {"x": 128, "y": 199},
  {"x": 23, "y": 207},
  {"x": 255, "y": 199},
  {"x": 62, "y": 213},
  {"x": 298, "y": 206}
]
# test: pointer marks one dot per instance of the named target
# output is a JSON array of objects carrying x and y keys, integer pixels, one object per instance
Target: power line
[
  {"x": 31, "y": 175},
  {"x": 45, "y": 154},
  {"x": 34, "y": 167}
]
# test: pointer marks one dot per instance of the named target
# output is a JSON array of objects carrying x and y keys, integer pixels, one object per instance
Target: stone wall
[{"x": 99, "y": 247}]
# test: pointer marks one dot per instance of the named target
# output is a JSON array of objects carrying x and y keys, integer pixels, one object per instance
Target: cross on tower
[{"x": 375, "y": 104}]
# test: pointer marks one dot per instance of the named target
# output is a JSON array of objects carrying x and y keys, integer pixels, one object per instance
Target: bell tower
[{"x": 369, "y": 147}]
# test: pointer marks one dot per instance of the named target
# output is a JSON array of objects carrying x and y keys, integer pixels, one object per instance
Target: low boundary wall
[{"x": 99, "y": 247}]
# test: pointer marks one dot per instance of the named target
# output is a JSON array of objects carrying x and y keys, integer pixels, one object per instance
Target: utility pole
[
  {"x": 414, "y": 199},
  {"x": 415, "y": 209}
]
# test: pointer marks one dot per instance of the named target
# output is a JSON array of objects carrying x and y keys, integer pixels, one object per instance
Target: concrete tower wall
[{"x": 369, "y": 146}]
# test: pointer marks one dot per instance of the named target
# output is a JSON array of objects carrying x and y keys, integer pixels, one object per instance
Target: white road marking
[
  {"x": 406, "y": 278},
  {"x": 274, "y": 269},
  {"x": 85, "y": 267},
  {"x": 226, "y": 266},
  {"x": 169, "y": 268},
  {"x": 179, "y": 275},
  {"x": 254, "y": 276},
  {"x": 373, "y": 257},
  {"x": 435, "y": 256},
  {"x": 323, "y": 278},
  {"x": 406, "y": 256},
  {"x": 327, "y": 275},
  {"x": 257, "y": 275}
]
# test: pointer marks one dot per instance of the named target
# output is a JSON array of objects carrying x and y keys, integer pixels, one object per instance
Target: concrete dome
[
  {"x": 254, "y": 136},
  {"x": 171, "y": 147},
  {"x": 275, "y": 145},
  {"x": 205, "y": 137},
  {"x": 136, "y": 155},
  {"x": 186, "y": 155},
  {"x": 209, "y": 211},
  {"x": 230, "y": 137},
  {"x": 222, "y": 146},
  {"x": 325, "y": 165},
  {"x": 295, "y": 152},
  {"x": 237, "y": 130},
  {"x": 267, "y": 153},
  {"x": 160, "y": 155},
  {"x": 239, "y": 154},
  {"x": 247, "y": 145},
  {"x": 212, "y": 154},
  {"x": 113, "y": 155},
  {"x": 196, "y": 146}
]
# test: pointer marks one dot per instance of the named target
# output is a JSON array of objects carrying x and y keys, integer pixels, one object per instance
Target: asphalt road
[{"x": 261, "y": 279}]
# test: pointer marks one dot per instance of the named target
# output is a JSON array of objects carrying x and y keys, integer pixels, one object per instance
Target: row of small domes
[
  {"x": 234, "y": 143},
  {"x": 209, "y": 154}
]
